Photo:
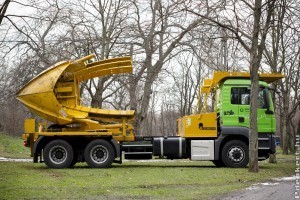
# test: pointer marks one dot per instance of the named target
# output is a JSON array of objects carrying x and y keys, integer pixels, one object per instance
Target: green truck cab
[{"x": 232, "y": 103}]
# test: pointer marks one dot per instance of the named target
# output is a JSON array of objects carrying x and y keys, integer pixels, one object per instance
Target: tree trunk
[
  {"x": 145, "y": 103},
  {"x": 255, "y": 58},
  {"x": 285, "y": 141},
  {"x": 272, "y": 158},
  {"x": 3, "y": 10},
  {"x": 97, "y": 98},
  {"x": 292, "y": 133},
  {"x": 253, "y": 131},
  {"x": 133, "y": 101},
  {"x": 281, "y": 119}
]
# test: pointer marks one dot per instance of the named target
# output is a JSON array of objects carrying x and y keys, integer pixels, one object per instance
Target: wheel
[
  {"x": 235, "y": 153},
  {"x": 58, "y": 154},
  {"x": 219, "y": 163},
  {"x": 99, "y": 154},
  {"x": 75, "y": 159}
]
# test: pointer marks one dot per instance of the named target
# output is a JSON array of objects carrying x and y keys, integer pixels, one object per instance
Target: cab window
[
  {"x": 241, "y": 96},
  {"x": 261, "y": 100}
]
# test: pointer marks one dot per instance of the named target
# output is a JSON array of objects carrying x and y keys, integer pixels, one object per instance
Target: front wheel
[
  {"x": 235, "y": 153},
  {"x": 99, "y": 154},
  {"x": 58, "y": 154},
  {"x": 219, "y": 163}
]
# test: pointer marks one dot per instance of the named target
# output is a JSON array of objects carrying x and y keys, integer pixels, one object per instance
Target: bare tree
[
  {"x": 254, "y": 43},
  {"x": 97, "y": 27},
  {"x": 186, "y": 82},
  {"x": 158, "y": 41},
  {"x": 282, "y": 55},
  {"x": 3, "y": 9}
]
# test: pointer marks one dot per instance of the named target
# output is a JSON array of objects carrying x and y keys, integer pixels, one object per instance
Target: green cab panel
[{"x": 232, "y": 102}]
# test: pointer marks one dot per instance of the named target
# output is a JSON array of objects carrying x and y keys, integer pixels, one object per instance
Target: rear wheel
[
  {"x": 99, "y": 154},
  {"x": 75, "y": 159},
  {"x": 58, "y": 154},
  {"x": 235, "y": 153}
]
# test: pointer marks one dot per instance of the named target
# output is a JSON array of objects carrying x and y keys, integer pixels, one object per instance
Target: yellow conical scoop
[{"x": 54, "y": 94}]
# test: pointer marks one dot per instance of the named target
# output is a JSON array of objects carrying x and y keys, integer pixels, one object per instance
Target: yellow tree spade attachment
[{"x": 55, "y": 96}]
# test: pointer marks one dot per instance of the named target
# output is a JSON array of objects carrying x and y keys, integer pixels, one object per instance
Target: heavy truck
[{"x": 218, "y": 132}]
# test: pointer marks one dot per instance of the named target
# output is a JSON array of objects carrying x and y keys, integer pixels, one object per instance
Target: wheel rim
[
  {"x": 99, "y": 154},
  {"x": 236, "y": 154},
  {"x": 58, "y": 154}
]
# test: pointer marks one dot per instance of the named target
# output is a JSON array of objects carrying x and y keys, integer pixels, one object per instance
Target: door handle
[{"x": 241, "y": 119}]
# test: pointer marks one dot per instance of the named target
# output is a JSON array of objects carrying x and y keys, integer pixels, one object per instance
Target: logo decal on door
[{"x": 230, "y": 112}]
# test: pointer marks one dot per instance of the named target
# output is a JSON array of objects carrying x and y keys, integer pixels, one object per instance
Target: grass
[
  {"x": 12, "y": 147},
  {"x": 178, "y": 179}
]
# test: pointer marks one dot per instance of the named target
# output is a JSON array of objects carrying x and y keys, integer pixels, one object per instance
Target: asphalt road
[{"x": 277, "y": 189}]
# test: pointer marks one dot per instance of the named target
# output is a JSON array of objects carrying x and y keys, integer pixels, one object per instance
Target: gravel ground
[{"x": 277, "y": 189}]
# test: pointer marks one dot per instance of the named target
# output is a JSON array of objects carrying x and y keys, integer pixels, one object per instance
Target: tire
[
  {"x": 235, "y": 154},
  {"x": 99, "y": 153},
  {"x": 58, "y": 154},
  {"x": 219, "y": 163},
  {"x": 75, "y": 159}
]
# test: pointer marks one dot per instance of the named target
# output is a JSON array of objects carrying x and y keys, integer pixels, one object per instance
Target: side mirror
[{"x": 267, "y": 101}]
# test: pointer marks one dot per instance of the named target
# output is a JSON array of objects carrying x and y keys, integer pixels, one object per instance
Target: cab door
[
  {"x": 231, "y": 107},
  {"x": 264, "y": 118},
  {"x": 264, "y": 112},
  {"x": 244, "y": 106}
]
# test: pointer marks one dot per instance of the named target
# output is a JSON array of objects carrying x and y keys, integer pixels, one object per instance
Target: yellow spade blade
[{"x": 54, "y": 93}]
